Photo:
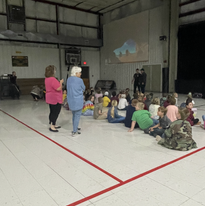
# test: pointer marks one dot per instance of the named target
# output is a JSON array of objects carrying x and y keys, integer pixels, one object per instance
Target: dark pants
[
  {"x": 54, "y": 112},
  {"x": 156, "y": 132},
  {"x": 196, "y": 121},
  {"x": 136, "y": 84},
  {"x": 35, "y": 96},
  {"x": 143, "y": 88}
]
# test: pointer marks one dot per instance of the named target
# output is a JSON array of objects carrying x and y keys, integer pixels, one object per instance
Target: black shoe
[
  {"x": 53, "y": 130},
  {"x": 79, "y": 132},
  {"x": 58, "y": 127},
  {"x": 79, "y": 128}
]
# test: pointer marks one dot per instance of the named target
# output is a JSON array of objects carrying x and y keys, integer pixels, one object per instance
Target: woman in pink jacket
[{"x": 54, "y": 96}]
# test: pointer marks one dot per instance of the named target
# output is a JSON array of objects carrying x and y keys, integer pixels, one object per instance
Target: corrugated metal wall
[
  {"x": 122, "y": 74},
  {"x": 92, "y": 57},
  {"x": 38, "y": 59},
  {"x": 191, "y": 7},
  {"x": 42, "y": 55}
]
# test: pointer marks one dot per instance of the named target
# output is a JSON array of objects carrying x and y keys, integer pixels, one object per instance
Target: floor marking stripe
[
  {"x": 71, "y": 152},
  {"x": 133, "y": 178},
  {"x": 121, "y": 183}
]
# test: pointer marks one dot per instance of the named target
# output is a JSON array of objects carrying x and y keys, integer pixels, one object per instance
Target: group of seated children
[
  {"x": 171, "y": 126},
  {"x": 160, "y": 118}
]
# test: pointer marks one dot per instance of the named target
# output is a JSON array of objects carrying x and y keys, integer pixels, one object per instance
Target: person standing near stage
[
  {"x": 143, "y": 79},
  {"x": 136, "y": 81}
]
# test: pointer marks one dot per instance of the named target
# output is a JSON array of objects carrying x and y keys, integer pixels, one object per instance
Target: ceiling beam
[
  {"x": 192, "y": 12},
  {"x": 188, "y": 2},
  {"x": 116, "y": 7},
  {"x": 66, "y": 6},
  {"x": 110, "y": 5}
]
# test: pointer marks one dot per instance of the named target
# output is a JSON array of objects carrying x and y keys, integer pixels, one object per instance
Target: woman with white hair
[{"x": 75, "y": 89}]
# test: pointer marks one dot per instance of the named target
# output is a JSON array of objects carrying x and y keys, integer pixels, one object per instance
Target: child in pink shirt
[
  {"x": 98, "y": 94},
  {"x": 172, "y": 110}
]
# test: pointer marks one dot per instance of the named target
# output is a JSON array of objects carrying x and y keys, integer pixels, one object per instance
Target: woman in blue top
[
  {"x": 75, "y": 89},
  {"x": 113, "y": 116}
]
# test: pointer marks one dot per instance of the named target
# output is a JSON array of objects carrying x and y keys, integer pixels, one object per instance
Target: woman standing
[
  {"x": 54, "y": 96},
  {"x": 75, "y": 89}
]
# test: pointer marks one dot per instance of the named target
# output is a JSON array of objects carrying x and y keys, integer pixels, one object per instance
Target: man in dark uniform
[
  {"x": 136, "y": 80},
  {"x": 143, "y": 79}
]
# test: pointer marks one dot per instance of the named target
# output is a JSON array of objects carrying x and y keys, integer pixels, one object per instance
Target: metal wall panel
[
  {"x": 2, "y": 6},
  {"x": 15, "y": 2},
  {"x": 78, "y": 17},
  {"x": 31, "y": 25},
  {"x": 194, "y": 17},
  {"x": 92, "y": 57},
  {"x": 3, "y": 22},
  {"x": 38, "y": 59},
  {"x": 46, "y": 27},
  {"x": 122, "y": 74},
  {"x": 30, "y": 8},
  {"x": 45, "y": 11}
]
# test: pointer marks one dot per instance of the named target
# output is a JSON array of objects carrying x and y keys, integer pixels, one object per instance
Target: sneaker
[
  {"x": 79, "y": 128},
  {"x": 158, "y": 138},
  {"x": 199, "y": 123}
]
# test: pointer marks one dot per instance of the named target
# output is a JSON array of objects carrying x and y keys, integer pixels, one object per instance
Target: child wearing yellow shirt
[
  {"x": 106, "y": 99},
  {"x": 64, "y": 95}
]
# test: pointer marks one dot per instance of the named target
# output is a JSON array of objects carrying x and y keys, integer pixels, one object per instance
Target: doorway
[{"x": 85, "y": 76}]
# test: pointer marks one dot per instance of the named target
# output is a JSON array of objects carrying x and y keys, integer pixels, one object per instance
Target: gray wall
[
  {"x": 42, "y": 55},
  {"x": 190, "y": 7},
  {"x": 158, "y": 50}
]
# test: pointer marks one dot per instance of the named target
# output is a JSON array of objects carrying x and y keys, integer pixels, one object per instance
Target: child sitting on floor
[
  {"x": 143, "y": 118},
  {"x": 172, "y": 110},
  {"x": 64, "y": 94},
  {"x": 114, "y": 97},
  {"x": 88, "y": 107},
  {"x": 106, "y": 99},
  {"x": 164, "y": 123},
  {"x": 148, "y": 99},
  {"x": 203, "y": 125},
  {"x": 98, "y": 114},
  {"x": 179, "y": 135},
  {"x": 153, "y": 108},
  {"x": 141, "y": 99},
  {"x": 163, "y": 99},
  {"x": 167, "y": 103},
  {"x": 122, "y": 103},
  {"x": 128, "y": 98},
  {"x": 113, "y": 116},
  {"x": 130, "y": 110},
  {"x": 98, "y": 94},
  {"x": 190, "y": 118},
  {"x": 175, "y": 95}
]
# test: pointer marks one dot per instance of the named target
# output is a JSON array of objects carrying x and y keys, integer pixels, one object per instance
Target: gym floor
[{"x": 104, "y": 166}]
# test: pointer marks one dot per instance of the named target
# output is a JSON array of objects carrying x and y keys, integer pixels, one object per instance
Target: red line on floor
[
  {"x": 121, "y": 183},
  {"x": 133, "y": 178},
  {"x": 73, "y": 153}
]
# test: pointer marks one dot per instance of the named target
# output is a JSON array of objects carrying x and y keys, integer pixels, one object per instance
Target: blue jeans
[
  {"x": 88, "y": 113},
  {"x": 156, "y": 132},
  {"x": 203, "y": 117},
  {"x": 76, "y": 119},
  {"x": 155, "y": 122},
  {"x": 118, "y": 120}
]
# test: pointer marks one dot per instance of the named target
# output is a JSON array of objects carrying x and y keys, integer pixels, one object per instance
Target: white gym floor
[{"x": 104, "y": 166}]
